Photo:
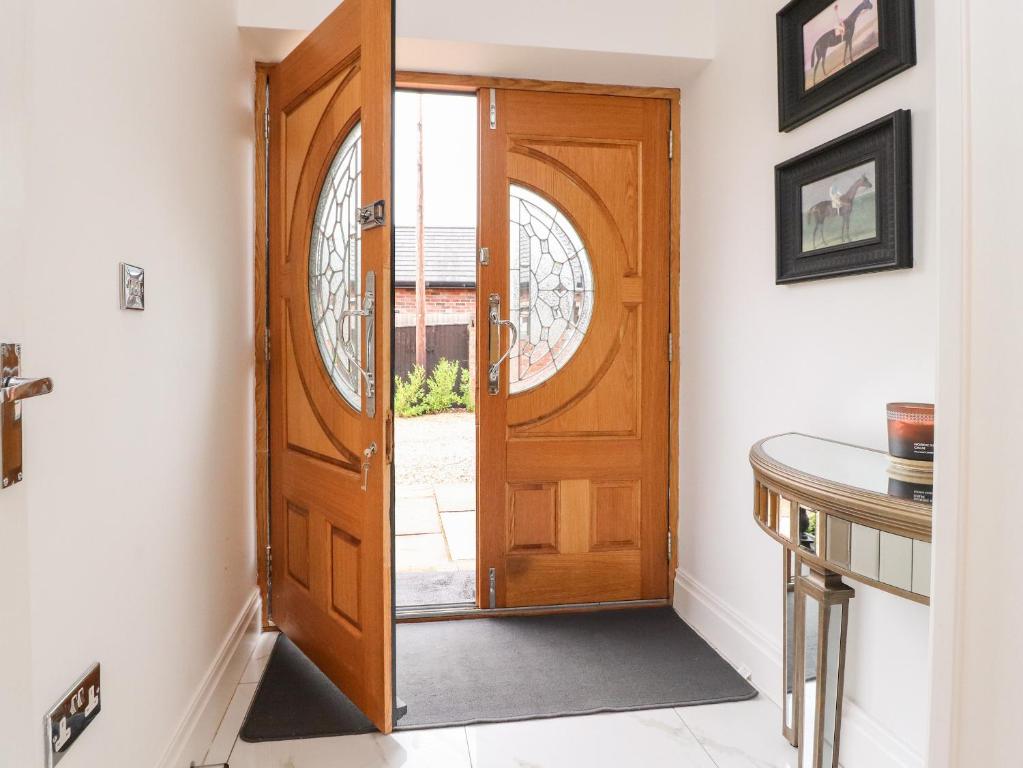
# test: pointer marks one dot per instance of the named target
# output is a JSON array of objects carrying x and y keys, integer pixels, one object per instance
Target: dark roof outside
[{"x": 450, "y": 256}]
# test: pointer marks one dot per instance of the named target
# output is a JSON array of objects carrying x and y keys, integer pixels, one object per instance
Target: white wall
[
  {"x": 682, "y": 28},
  {"x": 15, "y": 637},
  {"x": 978, "y": 624},
  {"x": 821, "y": 357},
  {"x": 584, "y": 40},
  {"x": 130, "y": 542}
]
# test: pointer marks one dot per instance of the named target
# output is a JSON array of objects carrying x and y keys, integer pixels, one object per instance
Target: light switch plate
[
  {"x": 71, "y": 715},
  {"x": 133, "y": 287}
]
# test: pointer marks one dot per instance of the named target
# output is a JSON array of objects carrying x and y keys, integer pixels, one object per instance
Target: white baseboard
[
  {"x": 865, "y": 742},
  {"x": 199, "y": 723}
]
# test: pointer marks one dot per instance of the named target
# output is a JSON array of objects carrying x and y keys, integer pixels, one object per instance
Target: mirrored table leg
[
  {"x": 821, "y": 622},
  {"x": 788, "y": 726}
]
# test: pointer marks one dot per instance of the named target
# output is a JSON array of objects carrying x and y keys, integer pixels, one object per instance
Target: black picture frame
[
  {"x": 887, "y": 142},
  {"x": 896, "y": 51}
]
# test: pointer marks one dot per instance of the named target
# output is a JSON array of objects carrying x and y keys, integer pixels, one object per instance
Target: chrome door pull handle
[
  {"x": 16, "y": 388},
  {"x": 367, "y": 459},
  {"x": 367, "y": 310},
  {"x": 496, "y": 323}
]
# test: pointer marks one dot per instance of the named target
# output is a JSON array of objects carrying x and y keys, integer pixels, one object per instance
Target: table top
[
  {"x": 846, "y": 509},
  {"x": 864, "y": 469}
]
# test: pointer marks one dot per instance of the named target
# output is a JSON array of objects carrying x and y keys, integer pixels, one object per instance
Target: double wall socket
[{"x": 71, "y": 715}]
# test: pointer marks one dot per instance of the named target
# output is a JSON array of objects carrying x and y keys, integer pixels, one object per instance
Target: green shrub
[
  {"x": 468, "y": 397},
  {"x": 448, "y": 387},
  {"x": 442, "y": 387},
  {"x": 408, "y": 393}
]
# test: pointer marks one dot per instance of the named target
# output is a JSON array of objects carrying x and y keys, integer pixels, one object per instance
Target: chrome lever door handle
[
  {"x": 367, "y": 459},
  {"x": 15, "y": 389},
  {"x": 497, "y": 358}
]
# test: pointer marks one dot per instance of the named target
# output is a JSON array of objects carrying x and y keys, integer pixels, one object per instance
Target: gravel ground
[{"x": 440, "y": 448}]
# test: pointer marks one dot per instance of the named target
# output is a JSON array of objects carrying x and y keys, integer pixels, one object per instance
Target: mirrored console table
[{"x": 839, "y": 511}]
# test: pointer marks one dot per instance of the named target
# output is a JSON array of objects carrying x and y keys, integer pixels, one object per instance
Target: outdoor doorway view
[{"x": 434, "y": 350}]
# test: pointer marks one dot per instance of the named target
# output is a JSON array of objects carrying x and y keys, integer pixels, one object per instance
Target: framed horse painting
[
  {"x": 831, "y": 50},
  {"x": 846, "y": 206}
]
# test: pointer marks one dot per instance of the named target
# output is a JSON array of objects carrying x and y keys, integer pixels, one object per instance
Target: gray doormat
[
  {"x": 512, "y": 668},
  {"x": 526, "y": 667},
  {"x": 440, "y": 588},
  {"x": 295, "y": 700}
]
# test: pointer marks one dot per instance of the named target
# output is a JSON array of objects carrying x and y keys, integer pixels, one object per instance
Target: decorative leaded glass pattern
[
  {"x": 335, "y": 261},
  {"x": 551, "y": 289}
]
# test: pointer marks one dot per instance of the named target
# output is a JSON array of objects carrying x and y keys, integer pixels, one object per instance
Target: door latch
[
  {"x": 13, "y": 389},
  {"x": 373, "y": 215}
]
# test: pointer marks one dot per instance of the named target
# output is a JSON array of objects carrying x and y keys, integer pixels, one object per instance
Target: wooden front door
[
  {"x": 573, "y": 428},
  {"x": 329, "y": 304}
]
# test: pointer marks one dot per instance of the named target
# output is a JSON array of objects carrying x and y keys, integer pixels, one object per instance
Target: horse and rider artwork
[
  {"x": 841, "y": 208},
  {"x": 843, "y": 33},
  {"x": 831, "y": 50},
  {"x": 846, "y": 206}
]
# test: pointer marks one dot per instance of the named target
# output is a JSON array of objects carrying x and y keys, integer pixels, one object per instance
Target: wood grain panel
[
  {"x": 305, "y": 432},
  {"x": 573, "y": 578},
  {"x": 345, "y": 567},
  {"x": 298, "y": 545},
  {"x": 299, "y": 127},
  {"x": 533, "y": 517},
  {"x": 610, "y": 405},
  {"x": 598, "y": 458},
  {"x": 574, "y": 517},
  {"x": 615, "y": 515},
  {"x": 609, "y": 173}
]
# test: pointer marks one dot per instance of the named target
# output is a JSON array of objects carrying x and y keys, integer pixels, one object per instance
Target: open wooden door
[
  {"x": 329, "y": 302},
  {"x": 573, "y": 449}
]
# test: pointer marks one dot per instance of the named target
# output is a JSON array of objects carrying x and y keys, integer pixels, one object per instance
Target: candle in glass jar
[{"x": 911, "y": 431}]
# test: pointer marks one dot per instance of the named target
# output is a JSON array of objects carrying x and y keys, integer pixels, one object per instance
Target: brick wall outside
[{"x": 438, "y": 300}]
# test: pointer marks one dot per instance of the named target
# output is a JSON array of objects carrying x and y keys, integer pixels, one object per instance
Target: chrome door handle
[
  {"x": 367, "y": 459},
  {"x": 367, "y": 310},
  {"x": 13, "y": 389},
  {"x": 496, "y": 356}
]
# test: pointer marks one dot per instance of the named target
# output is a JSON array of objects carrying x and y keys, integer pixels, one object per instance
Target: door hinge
[
  {"x": 484, "y": 257},
  {"x": 266, "y": 123},
  {"x": 671, "y": 347},
  {"x": 493, "y": 109},
  {"x": 669, "y": 546},
  {"x": 266, "y": 345},
  {"x": 373, "y": 215},
  {"x": 493, "y": 587},
  {"x": 671, "y": 144}
]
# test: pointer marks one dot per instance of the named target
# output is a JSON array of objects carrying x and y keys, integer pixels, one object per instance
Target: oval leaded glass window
[
  {"x": 551, "y": 289},
  {"x": 335, "y": 261}
]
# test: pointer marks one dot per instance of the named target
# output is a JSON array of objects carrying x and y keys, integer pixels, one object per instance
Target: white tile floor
[{"x": 741, "y": 735}]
